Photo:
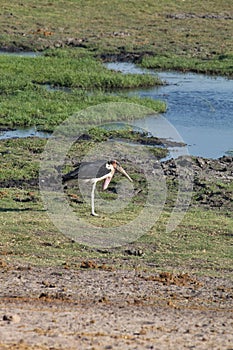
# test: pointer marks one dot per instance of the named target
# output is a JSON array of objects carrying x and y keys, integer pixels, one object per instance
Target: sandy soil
[{"x": 97, "y": 307}]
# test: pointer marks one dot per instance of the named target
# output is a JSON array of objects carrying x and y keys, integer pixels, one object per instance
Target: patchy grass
[
  {"x": 200, "y": 244},
  {"x": 198, "y": 29},
  {"x": 20, "y": 159}
]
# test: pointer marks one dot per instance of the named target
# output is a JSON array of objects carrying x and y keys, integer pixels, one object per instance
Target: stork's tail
[{"x": 73, "y": 174}]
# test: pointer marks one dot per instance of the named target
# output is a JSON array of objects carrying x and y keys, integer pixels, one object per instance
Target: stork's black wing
[
  {"x": 73, "y": 174},
  {"x": 88, "y": 170}
]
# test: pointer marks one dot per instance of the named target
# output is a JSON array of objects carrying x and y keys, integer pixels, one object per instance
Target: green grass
[
  {"x": 201, "y": 244},
  {"x": 71, "y": 69},
  {"x": 46, "y": 110},
  {"x": 221, "y": 64},
  {"x": 25, "y": 100}
]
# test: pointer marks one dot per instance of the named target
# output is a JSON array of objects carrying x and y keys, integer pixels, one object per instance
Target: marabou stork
[{"x": 94, "y": 172}]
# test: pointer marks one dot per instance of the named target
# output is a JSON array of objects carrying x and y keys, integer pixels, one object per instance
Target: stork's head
[{"x": 114, "y": 165}]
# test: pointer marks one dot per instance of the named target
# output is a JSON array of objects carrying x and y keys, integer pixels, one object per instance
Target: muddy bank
[
  {"x": 120, "y": 56},
  {"x": 211, "y": 179}
]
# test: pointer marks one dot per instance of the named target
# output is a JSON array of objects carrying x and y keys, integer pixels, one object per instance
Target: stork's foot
[{"x": 94, "y": 214}]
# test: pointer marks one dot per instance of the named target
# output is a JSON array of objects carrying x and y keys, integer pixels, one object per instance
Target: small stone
[{"x": 11, "y": 318}]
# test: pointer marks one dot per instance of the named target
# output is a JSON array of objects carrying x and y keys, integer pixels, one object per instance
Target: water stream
[
  {"x": 26, "y": 132},
  {"x": 200, "y": 108}
]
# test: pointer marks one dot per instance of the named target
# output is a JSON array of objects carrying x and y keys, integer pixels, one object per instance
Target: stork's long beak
[{"x": 123, "y": 172}]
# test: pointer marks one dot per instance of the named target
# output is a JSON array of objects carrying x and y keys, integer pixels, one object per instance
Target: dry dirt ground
[{"x": 98, "y": 307}]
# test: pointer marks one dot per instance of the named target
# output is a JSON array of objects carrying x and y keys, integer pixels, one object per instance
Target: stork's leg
[{"x": 93, "y": 200}]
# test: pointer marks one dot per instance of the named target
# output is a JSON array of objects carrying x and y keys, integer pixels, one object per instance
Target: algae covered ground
[{"x": 165, "y": 289}]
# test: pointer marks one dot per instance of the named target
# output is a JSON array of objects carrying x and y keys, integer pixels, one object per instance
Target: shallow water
[
  {"x": 200, "y": 108},
  {"x": 19, "y": 133},
  {"x": 21, "y": 53}
]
